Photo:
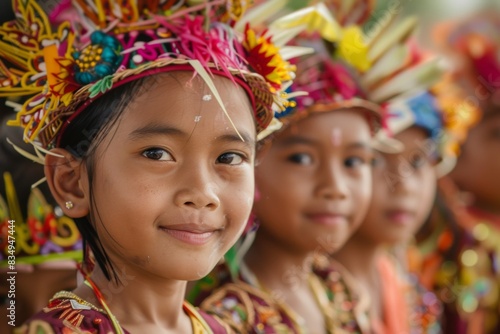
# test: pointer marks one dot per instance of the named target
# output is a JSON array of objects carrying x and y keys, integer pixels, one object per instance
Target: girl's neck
[
  {"x": 140, "y": 300},
  {"x": 286, "y": 274},
  {"x": 276, "y": 267},
  {"x": 360, "y": 257}
]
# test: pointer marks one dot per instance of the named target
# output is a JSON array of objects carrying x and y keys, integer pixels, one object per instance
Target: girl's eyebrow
[
  {"x": 360, "y": 145},
  {"x": 247, "y": 141},
  {"x": 296, "y": 140},
  {"x": 150, "y": 130}
]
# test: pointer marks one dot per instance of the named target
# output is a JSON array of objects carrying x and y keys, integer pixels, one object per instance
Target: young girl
[
  {"x": 147, "y": 114},
  {"x": 314, "y": 187},
  {"x": 461, "y": 242},
  {"x": 404, "y": 186}
]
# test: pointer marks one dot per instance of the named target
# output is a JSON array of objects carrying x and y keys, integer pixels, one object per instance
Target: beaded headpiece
[
  {"x": 44, "y": 236},
  {"x": 84, "y": 48}
]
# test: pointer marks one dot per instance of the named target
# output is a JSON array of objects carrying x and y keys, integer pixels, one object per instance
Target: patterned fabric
[
  {"x": 460, "y": 263},
  {"x": 68, "y": 314},
  {"x": 409, "y": 301},
  {"x": 245, "y": 308},
  {"x": 248, "y": 309}
]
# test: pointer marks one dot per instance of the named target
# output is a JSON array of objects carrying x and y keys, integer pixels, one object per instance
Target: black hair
[{"x": 81, "y": 138}]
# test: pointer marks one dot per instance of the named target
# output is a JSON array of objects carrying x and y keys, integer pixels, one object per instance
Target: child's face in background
[
  {"x": 315, "y": 182},
  {"x": 173, "y": 183},
  {"x": 478, "y": 166},
  {"x": 404, "y": 187}
]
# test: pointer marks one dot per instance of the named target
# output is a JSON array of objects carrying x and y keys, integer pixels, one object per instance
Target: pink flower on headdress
[
  {"x": 341, "y": 80},
  {"x": 217, "y": 45}
]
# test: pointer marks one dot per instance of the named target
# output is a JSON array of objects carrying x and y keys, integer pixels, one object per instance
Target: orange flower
[{"x": 264, "y": 58}]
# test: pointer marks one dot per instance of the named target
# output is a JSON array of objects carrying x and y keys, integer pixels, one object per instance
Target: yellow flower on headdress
[
  {"x": 459, "y": 115},
  {"x": 317, "y": 19},
  {"x": 265, "y": 59},
  {"x": 353, "y": 49}
]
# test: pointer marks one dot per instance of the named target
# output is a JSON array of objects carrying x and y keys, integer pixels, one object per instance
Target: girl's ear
[{"x": 67, "y": 178}]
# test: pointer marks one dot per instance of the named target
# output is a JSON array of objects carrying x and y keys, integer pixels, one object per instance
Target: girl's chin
[{"x": 193, "y": 271}]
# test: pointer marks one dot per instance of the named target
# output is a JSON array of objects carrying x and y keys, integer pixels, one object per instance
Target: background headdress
[
  {"x": 39, "y": 234},
  {"x": 352, "y": 68},
  {"x": 472, "y": 48},
  {"x": 42, "y": 236},
  {"x": 469, "y": 88},
  {"x": 64, "y": 61}
]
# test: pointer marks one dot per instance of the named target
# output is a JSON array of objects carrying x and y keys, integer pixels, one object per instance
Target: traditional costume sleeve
[
  {"x": 67, "y": 316},
  {"x": 249, "y": 310}
]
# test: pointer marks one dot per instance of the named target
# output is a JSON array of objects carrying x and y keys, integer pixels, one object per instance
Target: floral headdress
[
  {"x": 452, "y": 106},
  {"x": 98, "y": 45},
  {"x": 351, "y": 68},
  {"x": 44, "y": 236},
  {"x": 472, "y": 47}
]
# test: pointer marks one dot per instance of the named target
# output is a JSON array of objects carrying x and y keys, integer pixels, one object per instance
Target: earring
[{"x": 69, "y": 205}]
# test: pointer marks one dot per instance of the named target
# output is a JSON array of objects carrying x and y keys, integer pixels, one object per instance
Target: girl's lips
[
  {"x": 328, "y": 219},
  {"x": 401, "y": 217},
  {"x": 193, "y": 234},
  {"x": 190, "y": 237}
]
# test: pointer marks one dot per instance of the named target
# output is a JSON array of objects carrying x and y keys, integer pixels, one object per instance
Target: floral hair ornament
[
  {"x": 449, "y": 109},
  {"x": 44, "y": 238},
  {"x": 353, "y": 69},
  {"x": 98, "y": 45},
  {"x": 472, "y": 47}
]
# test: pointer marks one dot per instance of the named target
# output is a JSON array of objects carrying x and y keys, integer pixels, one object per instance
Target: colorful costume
[
  {"x": 460, "y": 244},
  {"x": 248, "y": 308},
  {"x": 67, "y": 313},
  {"x": 348, "y": 70},
  {"x": 408, "y": 307},
  {"x": 64, "y": 61}
]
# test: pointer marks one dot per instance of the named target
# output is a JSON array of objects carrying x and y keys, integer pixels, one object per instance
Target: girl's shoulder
[
  {"x": 249, "y": 310},
  {"x": 67, "y": 313},
  {"x": 204, "y": 323}
]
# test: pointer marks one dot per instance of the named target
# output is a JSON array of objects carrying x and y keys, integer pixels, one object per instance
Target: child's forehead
[
  {"x": 349, "y": 124},
  {"x": 334, "y": 139}
]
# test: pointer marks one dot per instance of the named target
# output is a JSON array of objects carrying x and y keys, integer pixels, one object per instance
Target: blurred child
[
  {"x": 461, "y": 243},
  {"x": 314, "y": 187},
  {"x": 147, "y": 115},
  {"x": 404, "y": 186}
]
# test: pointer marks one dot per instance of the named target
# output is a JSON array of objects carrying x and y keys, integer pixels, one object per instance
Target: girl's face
[
  {"x": 315, "y": 182},
  {"x": 478, "y": 165},
  {"x": 404, "y": 187},
  {"x": 173, "y": 183}
]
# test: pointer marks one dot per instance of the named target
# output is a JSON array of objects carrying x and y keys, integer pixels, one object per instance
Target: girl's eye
[
  {"x": 418, "y": 160},
  {"x": 378, "y": 161},
  {"x": 230, "y": 159},
  {"x": 353, "y": 162},
  {"x": 157, "y": 154},
  {"x": 301, "y": 158}
]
